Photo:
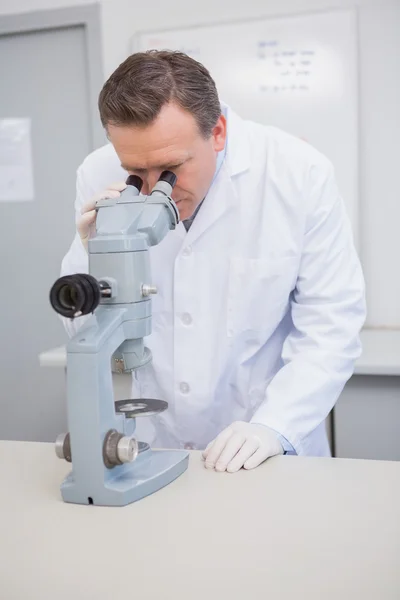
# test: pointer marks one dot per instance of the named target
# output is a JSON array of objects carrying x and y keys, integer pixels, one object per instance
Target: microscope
[{"x": 110, "y": 467}]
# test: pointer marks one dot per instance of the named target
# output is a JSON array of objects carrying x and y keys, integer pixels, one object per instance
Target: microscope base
[{"x": 128, "y": 483}]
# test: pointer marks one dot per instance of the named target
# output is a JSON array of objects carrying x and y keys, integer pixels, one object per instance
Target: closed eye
[
  {"x": 142, "y": 172},
  {"x": 172, "y": 167}
]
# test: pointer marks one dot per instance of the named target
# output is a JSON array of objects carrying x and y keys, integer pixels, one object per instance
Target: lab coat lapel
[
  {"x": 222, "y": 195},
  {"x": 217, "y": 202}
]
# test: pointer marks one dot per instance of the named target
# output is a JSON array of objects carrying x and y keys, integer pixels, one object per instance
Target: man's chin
[{"x": 183, "y": 212}]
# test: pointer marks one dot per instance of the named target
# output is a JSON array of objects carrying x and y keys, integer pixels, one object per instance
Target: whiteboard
[{"x": 298, "y": 73}]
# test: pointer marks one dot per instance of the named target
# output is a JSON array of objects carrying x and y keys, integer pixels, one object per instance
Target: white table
[
  {"x": 381, "y": 354},
  {"x": 307, "y": 528}
]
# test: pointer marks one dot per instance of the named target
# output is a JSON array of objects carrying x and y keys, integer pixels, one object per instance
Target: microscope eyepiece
[
  {"x": 135, "y": 181},
  {"x": 75, "y": 295},
  {"x": 169, "y": 177}
]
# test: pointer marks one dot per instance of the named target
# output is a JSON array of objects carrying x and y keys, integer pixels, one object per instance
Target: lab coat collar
[
  {"x": 237, "y": 156},
  {"x": 221, "y": 196}
]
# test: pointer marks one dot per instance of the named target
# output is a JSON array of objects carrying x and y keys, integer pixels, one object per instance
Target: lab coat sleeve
[
  {"x": 76, "y": 260},
  {"x": 328, "y": 311}
]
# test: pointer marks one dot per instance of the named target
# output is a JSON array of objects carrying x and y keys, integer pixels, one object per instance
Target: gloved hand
[
  {"x": 241, "y": 445},
  {"x": 85, "y": 224}
]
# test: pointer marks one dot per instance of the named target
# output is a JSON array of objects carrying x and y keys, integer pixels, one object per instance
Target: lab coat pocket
[{"x": 259, "y": 292}]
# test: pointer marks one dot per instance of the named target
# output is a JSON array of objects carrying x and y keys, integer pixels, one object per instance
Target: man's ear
[{"x": 219, "y": 134}]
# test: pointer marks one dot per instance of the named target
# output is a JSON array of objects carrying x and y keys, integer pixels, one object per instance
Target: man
[{"x": 260, "y": 292}]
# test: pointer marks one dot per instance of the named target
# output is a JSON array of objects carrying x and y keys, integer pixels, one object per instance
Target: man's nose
[{"x": 149, "y": 181}]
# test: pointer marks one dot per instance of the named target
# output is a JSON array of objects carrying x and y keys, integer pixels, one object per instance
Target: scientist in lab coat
[{"x": 260, "y": 292}]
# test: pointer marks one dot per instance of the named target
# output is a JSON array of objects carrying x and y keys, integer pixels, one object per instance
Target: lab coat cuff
[{"x": 286, "y": 445}]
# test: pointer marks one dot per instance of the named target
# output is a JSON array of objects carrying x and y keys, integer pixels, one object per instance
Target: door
[{"x": 44, "y": 76}]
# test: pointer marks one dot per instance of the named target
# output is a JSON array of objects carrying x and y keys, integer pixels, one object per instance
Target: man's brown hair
[{"x": 146, "y": 81}]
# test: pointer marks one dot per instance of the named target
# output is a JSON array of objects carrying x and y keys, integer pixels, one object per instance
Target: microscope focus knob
[
  {"x": 119, "y": 449},
  {"x": 127, "y": 449},
  {"x": 148, "y": 289},
  {"x": 63, "y": 447}
]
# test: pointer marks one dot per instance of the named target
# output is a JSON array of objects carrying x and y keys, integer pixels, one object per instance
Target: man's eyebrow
[{"x": 164, "y": 167}]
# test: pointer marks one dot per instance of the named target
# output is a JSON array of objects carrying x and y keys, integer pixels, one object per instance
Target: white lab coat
[{"x": 259, "y": 305}]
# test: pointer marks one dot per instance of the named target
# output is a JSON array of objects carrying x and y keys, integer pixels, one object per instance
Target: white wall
[{"x": 379, "y": 35}]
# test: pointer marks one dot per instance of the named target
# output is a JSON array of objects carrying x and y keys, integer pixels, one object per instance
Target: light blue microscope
[{"x": 109, "y": 466}]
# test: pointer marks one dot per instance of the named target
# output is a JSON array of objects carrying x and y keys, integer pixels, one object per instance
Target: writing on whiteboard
[
  {"x": 284, "y": 69},
  {"x": 193, "y": 51}
]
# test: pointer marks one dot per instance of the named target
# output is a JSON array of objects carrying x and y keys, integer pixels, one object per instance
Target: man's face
[{"x": 172, "y": 142}]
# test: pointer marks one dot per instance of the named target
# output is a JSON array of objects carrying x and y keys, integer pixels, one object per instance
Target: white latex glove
[
  {"x": 86, "y": 222},
  {"x": 241, "y": 445}
]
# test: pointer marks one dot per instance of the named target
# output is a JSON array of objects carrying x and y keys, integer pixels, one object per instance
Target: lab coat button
[
  {"x": 184, "y": 387},
  {"x": 187, "y": 319},
  {"x": 187, "y": 251}
]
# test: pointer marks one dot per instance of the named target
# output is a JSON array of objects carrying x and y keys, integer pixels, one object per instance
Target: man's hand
[
  {"x": 241, "y": 445},
  {"x": 85, "y": 223}
]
